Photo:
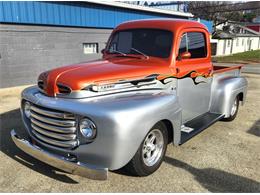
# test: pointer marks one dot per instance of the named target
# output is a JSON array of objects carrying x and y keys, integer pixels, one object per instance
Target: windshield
[{"x": 147, "y": 42}]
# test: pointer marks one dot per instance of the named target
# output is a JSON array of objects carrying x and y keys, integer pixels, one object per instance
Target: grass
[{"x": 246, "y": 57}]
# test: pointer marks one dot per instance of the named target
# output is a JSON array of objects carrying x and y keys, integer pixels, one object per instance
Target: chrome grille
[{"x": 54, "y": 127}]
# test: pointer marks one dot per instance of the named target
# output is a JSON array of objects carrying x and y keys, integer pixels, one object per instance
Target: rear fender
[{"x": 224, "y": 91}]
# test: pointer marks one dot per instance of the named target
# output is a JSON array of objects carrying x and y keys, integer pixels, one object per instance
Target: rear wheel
[
  {"x": 234, "y": 110},
  {"x": 150, "y": 154}
]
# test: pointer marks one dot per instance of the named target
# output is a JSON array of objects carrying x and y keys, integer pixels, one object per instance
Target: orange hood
[{"x": 81, "y": 75}]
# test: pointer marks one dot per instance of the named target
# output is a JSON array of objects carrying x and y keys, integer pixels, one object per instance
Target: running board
[{"x": 198, "y": 124}]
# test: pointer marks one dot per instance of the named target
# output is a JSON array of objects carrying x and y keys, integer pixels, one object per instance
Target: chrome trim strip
[
  {"x": 64, "y": 137},
  {"x": 54, "y": 128},
  {"x": 151, "y": 85},
  {"x": 64, "y": 144},
  {"x": 64, "y": 123},
  {"x": 52, "y": 113},
  {"x": 60, "y": 162}
]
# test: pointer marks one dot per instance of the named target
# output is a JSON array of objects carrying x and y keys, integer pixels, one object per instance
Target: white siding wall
[
  {"x": 237, "y": 45},
  {"x": 255, "y": 43},
  {"x": 220, "y": 47},
  {"x": 227, "y": 50}
]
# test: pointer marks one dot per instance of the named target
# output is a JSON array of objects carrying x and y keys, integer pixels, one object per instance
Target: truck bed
[{"x": 221, "y": 69}]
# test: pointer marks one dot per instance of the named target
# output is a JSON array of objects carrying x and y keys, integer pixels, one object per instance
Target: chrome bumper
[{"x": 59, "y": 162}]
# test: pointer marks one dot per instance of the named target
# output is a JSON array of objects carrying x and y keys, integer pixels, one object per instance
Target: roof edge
[{"x": 140, "y": 8}]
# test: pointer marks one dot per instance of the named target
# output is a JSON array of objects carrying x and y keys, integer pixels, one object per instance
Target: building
[
  {"x": 180, "y": 6},
  {"x": 37, "y": 36},
  {"x": 234, "y": 38}
]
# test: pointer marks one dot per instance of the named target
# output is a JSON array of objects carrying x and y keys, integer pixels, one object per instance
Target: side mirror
[
  {"x": 185, "y": 55},
  {"x": 103, "y": 51}
]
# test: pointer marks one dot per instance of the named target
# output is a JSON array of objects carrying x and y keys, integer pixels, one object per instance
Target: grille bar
[
  {"x": 63, "y": 123},
  {"x": 64, "y": 137},
  {"x": 53, "y": 128},
  {"x": 64, "y": 144},
  {"x": 61, "y": 115}
]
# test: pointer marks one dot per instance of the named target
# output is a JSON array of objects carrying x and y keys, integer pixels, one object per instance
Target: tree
[{"x": 221, "y": 11}]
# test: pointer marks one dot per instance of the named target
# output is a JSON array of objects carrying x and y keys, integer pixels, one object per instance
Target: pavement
[
  {"x": 223, "y": 158},
  {"x": 253, "y": 68}
]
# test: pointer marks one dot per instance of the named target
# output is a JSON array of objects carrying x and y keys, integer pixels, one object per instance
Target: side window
[{"x": 195, "y": 43}]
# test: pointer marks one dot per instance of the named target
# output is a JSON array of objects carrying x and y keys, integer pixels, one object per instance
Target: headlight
[
  {"x": 88, "y": 128},
  {"x": 27, "y": 109}
]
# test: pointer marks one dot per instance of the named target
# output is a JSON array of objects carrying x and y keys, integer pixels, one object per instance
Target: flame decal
[{"x": 194, "y": 75}]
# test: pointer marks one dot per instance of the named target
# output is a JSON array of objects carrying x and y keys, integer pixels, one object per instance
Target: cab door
[{"x": 194, "y": 69}]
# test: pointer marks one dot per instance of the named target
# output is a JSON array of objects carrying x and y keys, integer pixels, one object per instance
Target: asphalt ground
[{"x": 223, "y": 158}]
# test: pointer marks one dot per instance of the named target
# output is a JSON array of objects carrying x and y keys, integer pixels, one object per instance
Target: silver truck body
[{"x": 123, "y": 119}]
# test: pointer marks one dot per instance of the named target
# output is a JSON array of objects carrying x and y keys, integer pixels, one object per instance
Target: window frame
[{"x": 202, "y": 31}]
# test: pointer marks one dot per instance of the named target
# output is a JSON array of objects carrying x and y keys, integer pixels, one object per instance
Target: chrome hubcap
[
  {"x": 152, "y": 147},
  {"x": 234, "y": 108}
]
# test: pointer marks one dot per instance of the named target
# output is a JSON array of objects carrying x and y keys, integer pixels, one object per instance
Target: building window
[
  {"x": 195, "y": 43},
  {"x": 242, "y": 42},
  {"x": 90, "y": 48},
  {"x": 237, "y": 42}
]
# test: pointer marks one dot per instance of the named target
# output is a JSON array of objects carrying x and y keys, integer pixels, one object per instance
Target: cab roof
[{"x": 166, "y": 24}]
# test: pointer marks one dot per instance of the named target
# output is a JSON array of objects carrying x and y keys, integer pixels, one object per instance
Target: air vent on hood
[
  {"x": 41, "y": 84},
  {"x": 63, "y": 89}
]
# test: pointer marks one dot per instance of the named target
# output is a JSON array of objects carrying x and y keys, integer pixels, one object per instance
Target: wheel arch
[{"x": 170, "y": 129}]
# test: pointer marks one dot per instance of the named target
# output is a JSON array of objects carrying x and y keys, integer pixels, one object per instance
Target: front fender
[{"x": 127, "y": 124}]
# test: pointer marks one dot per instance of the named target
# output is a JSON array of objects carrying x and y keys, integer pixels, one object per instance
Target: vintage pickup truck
[{"x": 155, "y": 85}]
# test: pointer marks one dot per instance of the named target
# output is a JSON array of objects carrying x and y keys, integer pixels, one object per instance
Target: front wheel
[
  {"x": 150, "y": 154},
  {"x": 234, "y": 110}
]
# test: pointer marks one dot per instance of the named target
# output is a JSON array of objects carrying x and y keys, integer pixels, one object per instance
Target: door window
[{"x": 195, "y": 43}]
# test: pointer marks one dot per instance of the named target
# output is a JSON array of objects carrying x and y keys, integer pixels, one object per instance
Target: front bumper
[{"x": 59, "y": 162}]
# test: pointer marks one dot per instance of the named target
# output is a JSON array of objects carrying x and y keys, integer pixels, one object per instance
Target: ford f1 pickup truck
[{"x": 154, "y": 85}]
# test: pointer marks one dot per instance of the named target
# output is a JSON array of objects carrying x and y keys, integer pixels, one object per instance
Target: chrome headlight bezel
[{"x": 88, "y": 129}]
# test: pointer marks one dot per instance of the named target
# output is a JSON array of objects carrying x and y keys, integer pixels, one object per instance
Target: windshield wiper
[
  {"x": 146, "y": 56},
  {"x": 123, "y": 54},
  {"x": 119, "y": 52}
]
